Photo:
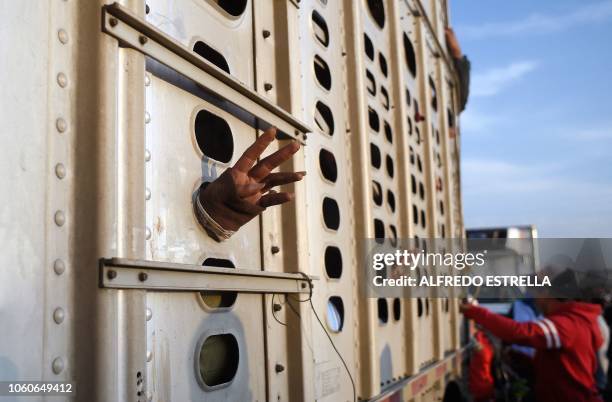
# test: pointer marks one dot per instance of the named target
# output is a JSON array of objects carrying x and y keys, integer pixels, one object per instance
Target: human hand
[
  {"x": 453, "y": 43},
  {"x": 244, "y": 191}
]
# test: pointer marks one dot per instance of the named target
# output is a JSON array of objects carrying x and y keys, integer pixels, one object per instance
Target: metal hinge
[
  {"x": 120, "y": 273},
  {"x": 133, "y": 32}
]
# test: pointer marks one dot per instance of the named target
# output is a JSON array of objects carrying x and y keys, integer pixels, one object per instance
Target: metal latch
[
  {"x": 120, "y": 273},
  {"x": 133, "y": 32}
]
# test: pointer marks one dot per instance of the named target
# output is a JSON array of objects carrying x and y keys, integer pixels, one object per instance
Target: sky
[{"x": 537, "y": 131}]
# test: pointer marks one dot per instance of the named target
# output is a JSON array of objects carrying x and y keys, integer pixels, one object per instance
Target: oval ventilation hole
[
  {"x": 322, "y": 72},
  {"x": 388, "y": 132},
  {"x": 333, "y": 262},
  {"x": 368, "y": 47},
  {"x": 441, "y": 207},
  {"x": 319, "y": 28},
  {"x": 415, "y": 214},
  {"x": 423, "y": 221},
  {"x": 375, "y": 157},
  {"x": 214, "y": 136},
  {"x": 335, "y": 314},
  {"x": 383, "y": 311},
  {"x": 413, "y": 184},
  {"x": 419, "y": 307},
  {"x": 331, "y": 213},
  {"x": 218, "y": 299},
  {"x": 421, "y": 190},
  {"x": 327, "y": 163},
  {"x": 234, "y": 8},
  {"x": 384, "y": 98},
  {"x": 397, "y": 309},
  {"x": 426, "y": 306},
  {"x": 410, "y": 55},
  {"x": 379, "y": 231},
  {"x": 434, "y": 94},
  {"x": 408, "y": 97},
  {"x": 373, "y": 119},
  {"x": 377, "y": 11},
  {"x": 389, "y": 165},
  {"x": 451, "y": 118},
  {"x": 446, "y": 305},
  {"x": 377, "y": 194},
  {"x": 419, "y": 164},
  {"x": 371, "y": 83},
  {"x": 438, "y": 138},
  {"x": 443, "y": 231},
  {"x": 210, "y": 54},
  {"x": 218, "y": 359},
  {"x": 324, "y": 118},
  {"x": 411, "y": 154},
  {"x": 382, "y": 62},
  {"x": 391, "y": 200},
  {"x": 393, "y": 231},
  {"x": 409, "y": 126}
]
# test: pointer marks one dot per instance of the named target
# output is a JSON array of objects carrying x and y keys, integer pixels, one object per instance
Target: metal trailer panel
[
  {"x": 108, "y": 193},
  {"x": 329, "y": 197}
]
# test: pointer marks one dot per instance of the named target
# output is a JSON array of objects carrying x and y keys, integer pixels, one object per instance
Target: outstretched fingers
[
  {"x": 269, "y": 163},
  {"x": 249, "y": 157},
  {"x": 274, "y": 198},
  {"x": 281, "y": 178}
]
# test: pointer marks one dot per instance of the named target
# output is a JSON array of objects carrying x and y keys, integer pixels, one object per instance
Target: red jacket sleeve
[{"x": 522, "y": 333}]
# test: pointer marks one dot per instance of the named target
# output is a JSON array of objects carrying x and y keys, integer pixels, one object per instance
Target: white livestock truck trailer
[{"x": 114, "y": 113}]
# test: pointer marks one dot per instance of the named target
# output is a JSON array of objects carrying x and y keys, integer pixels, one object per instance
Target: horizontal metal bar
[
  {"x": 131, "y": 31},
  {"x": 119, "y": 273},
  {"x": 406, "y": 382}
]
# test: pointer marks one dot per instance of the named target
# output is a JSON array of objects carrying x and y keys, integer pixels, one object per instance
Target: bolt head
[
  {"x": 60, "y": 218},
  {"x": 111, "y": 274},
  {"x": 59, "y": 267},
  {"x": 58, "y": 365},
  {"x": 143, "y": 276},
  {"x": 58, "y": 315}
]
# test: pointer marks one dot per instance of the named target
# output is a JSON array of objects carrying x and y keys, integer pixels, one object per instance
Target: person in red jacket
[
  {"x": 566, "y": 341},
  {"x": 481, "y": 382}
]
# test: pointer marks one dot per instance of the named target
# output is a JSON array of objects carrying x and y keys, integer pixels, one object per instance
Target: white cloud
[
  {"x": 493, "y": 81},
  {"x": 541, "y": 23}
]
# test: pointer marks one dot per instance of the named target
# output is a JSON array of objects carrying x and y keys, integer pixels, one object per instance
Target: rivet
[
  {"x": 147, "y": 155},
  {"x": 147, "y": 194},
  {"x": 148, "y": 233},
  {"x": 274, "y": 249},
  {"x": 277, "y": 307},
  {"x": 147, "y": 118},
  {"x": 149, "y": 355},
  {"x": 147, "y": 9},
  {"x": 58, "y": 365},
  {"x": 147, "y": 80},
  {"x": 59, "y": 267},
  {"x": 58, "y": 315},
  {"x": 60, "y": 218},
  {"x": 143, "y": 276},
  {"x": 61, "y": 125},
  {"x": 113, "y": 22},
  {"x": 60, "y": 171},
  {"x": 143, "y": 39},
  {"x": 266, "y": 33},
  {"x": 267, "y": 86},
  {"x": 111, "y": 274},
  {"x": 62, "y": 35},
  {"x": 149, "y": 314},
  {"x": 279, "y": 368},
  {"x": 62, "y": 80}
]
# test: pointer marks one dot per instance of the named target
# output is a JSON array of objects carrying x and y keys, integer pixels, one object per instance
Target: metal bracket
[
  {"x": 133, "y": 32},
  {"x": 120, "y": 273}
]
